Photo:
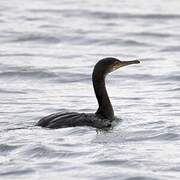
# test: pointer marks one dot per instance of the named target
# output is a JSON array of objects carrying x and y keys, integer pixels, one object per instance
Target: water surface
[{"x": 47, "y": 53}]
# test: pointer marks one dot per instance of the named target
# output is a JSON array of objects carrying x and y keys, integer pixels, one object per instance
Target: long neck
[{"x": 105, "y": 109}]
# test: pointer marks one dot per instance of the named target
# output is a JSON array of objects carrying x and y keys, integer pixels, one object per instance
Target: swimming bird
[{"x": 104, "y": 116}]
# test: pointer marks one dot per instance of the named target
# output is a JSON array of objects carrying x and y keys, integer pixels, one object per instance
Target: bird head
[{"x": 110, "y": 64}]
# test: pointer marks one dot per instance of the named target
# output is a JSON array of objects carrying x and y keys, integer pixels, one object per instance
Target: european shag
[{"x": 104, "y": 115}]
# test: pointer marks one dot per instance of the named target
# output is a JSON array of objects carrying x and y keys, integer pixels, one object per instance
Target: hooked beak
[{"x": 125, "y": 63}]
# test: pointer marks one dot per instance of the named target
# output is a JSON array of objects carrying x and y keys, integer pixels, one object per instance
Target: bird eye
[{"x": 116, "y": 62}]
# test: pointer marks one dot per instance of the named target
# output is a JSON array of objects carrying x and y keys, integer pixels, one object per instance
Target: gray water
[{"x": 47, "y": 53}]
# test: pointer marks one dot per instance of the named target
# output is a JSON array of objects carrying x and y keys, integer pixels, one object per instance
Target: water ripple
[
  {"x": 48, "y": 50},
  {"x": 24, "y": 72},
  {"x": 105, "y": 15},
  {"x": 43, "y": 38}
]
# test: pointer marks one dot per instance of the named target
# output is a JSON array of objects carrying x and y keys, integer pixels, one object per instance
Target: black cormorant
[{"x": 104, "y": 115}]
